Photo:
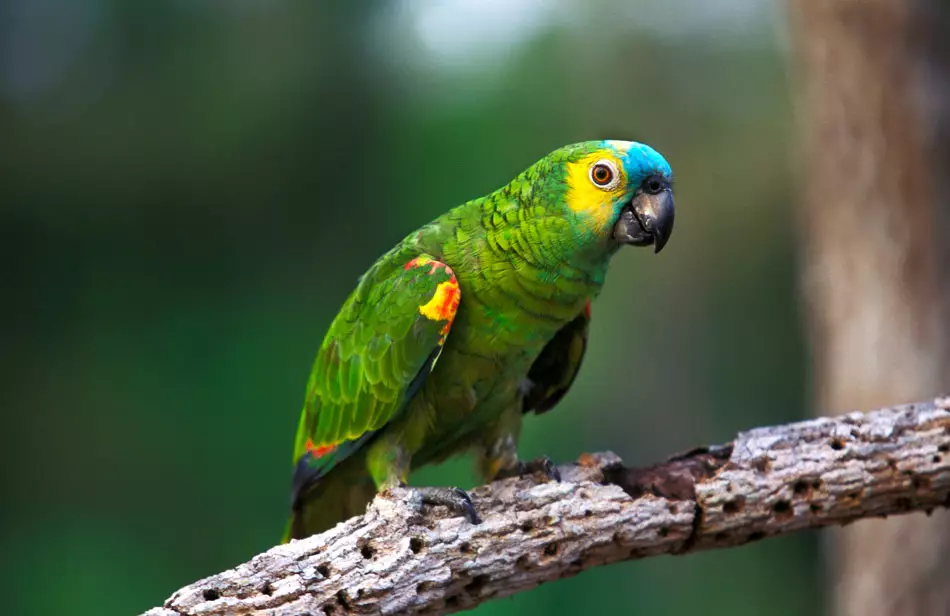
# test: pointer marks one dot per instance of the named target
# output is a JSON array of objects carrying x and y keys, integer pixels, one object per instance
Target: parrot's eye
[{"x": 604, "y": 174}]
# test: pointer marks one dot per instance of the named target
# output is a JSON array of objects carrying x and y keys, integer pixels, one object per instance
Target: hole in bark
[
  {"x": 550, "y": 549},
  {"x": 944, "y": 448},
  {"x": 465, "y": 547},
  {"x": 267, "y": 589},
  {"x": 937, "y": 459},
  {"x": 477, "y": 583},
  {"x": 756, "y": 536},
  {"x": 329, "y": 609},
  {"x": 781, "y": 507},
  {"x": 210, "y": 594},
  {"x": 837, "y": 444},
  {"x": 671, "y": 508},
  {"x": 800, "y": 487},
  {"x": 734, "y": 506},
  {"x": 588, "y": 513},
  {"x": 854, "y": 495},
  {"x": 892, "y": 464},
  {"x": 814, "y": 507},
  {"x": 816, "y": 484},
  {"x": 416, "y": 544},
  {"x": 920, "y": 483},
  {"x": 526, "y": 526},
  {"x": 343, "y": 600},
  {"x": 664, "y": 531},
  {"x": 452, "y": 602},
  {"x": 323, "y": 570},
  {"x": 523, "y": 562},
  {"x": 367, "y": 551},
  {"x": 422, "y": 587}
]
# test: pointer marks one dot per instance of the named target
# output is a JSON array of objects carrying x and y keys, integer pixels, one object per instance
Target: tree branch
[{"x": 397, "y": 558}]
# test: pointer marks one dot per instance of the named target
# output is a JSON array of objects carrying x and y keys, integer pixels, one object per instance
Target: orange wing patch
[
  {"x": 444, "y": 302},
  {"x": 319, "y": 451}
]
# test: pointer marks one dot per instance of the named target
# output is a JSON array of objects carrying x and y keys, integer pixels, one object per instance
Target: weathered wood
[{"x": 399, "y": 558}]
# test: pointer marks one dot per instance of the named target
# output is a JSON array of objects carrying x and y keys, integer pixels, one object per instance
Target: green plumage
[{"x": 468, "y": 323}]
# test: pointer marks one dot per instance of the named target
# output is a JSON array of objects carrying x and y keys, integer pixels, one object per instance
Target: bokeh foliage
[{"x": 190, "y": 189}]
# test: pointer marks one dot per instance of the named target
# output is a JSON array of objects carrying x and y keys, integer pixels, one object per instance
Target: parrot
[{"x": 466, "y": 326}]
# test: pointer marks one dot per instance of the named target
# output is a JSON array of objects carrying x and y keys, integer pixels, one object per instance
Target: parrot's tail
[{"x": 331, "y": 500}]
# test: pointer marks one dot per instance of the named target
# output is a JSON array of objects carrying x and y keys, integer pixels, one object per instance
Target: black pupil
[
  {"x": 602, "y": 174},
  {"x": 654, "y": 186}
]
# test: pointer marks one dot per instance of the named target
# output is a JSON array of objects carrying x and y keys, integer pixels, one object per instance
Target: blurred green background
[{"x": 190, "y": 188}]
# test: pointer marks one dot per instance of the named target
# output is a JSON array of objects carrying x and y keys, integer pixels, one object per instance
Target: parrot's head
[{"x": 617, "y": 193}]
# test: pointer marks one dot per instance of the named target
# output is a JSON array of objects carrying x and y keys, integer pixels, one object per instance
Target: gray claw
[
  {"x": 548, "y": 467},
  {"x": 455, "y": 499}
]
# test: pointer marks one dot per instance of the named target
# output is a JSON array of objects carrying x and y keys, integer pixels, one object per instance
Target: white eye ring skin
[{"x": 614, "y": 175}]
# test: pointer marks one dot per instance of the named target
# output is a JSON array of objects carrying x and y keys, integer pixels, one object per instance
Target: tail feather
[{"x": 327, "y": 502}]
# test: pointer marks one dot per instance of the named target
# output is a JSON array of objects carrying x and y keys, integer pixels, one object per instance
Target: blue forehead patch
[{"x": 640, "y": 160}]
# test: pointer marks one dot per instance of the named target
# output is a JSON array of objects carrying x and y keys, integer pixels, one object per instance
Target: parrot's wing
[
  {"x": 376, "y": 354},
  {"x": 553, "y": 372}
]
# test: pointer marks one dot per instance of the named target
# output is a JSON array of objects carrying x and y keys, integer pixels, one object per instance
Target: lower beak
[{"x": 647, "y": 220}]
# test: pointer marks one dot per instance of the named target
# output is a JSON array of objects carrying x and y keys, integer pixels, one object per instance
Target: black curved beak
[{"x": 647, "y": 220}]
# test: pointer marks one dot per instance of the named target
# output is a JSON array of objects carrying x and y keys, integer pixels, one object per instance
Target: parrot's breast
[{"x": 480, "y": 374}]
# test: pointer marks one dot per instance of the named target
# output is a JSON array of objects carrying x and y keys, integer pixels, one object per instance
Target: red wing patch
[
  {"x": 417, "y": 262},
  {"x": 436, "y": 265},
  {"x": 319, "y": 452},
  {"x": 587, "y": 309}
]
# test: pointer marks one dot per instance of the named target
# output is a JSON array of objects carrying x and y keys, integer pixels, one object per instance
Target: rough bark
[
  {"x": 874, "y": 77},
  {"x": 400, "y": 558}
]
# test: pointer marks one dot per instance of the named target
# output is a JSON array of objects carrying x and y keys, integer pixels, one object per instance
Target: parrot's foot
[
  {"x": 542, "y": 465},
  {"x": 455, "y": 499}
]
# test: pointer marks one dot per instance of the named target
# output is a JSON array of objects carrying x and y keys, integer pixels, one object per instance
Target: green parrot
[{"x": 471, "y": 322}]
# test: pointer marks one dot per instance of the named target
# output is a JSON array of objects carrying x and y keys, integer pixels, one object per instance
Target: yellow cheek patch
[
  {"x": 585, "y": 198},
  {"x": 444, "y": 302}
]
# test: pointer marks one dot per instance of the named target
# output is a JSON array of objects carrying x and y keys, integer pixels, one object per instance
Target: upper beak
[{"x": 646, "y": 220}]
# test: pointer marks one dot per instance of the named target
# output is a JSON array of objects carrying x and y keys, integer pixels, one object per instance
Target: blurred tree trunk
[{"x": 874, "y": 83}]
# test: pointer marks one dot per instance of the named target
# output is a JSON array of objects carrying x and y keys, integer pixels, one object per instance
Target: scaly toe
[{"x": 456, "y": 499}]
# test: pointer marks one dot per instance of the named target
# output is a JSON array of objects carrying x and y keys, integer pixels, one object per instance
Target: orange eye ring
[{"x": 603, "y": 174}]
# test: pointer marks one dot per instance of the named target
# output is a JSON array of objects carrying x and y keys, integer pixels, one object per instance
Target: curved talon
[
  {"x": 468, "y": 506},
  {"x": 549, "y": 468},
  {"x": 455, "y": 499}
]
